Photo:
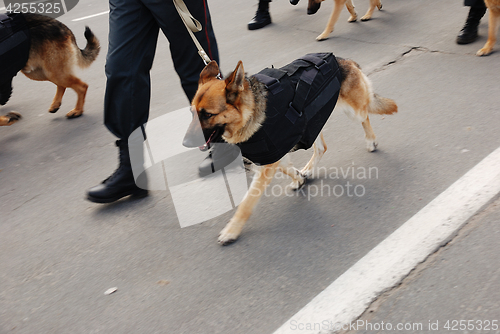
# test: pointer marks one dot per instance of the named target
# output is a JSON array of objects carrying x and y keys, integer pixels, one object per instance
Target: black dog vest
[
  {"x": 14, "y": 45},
  {"x": 301, "y": 98}
]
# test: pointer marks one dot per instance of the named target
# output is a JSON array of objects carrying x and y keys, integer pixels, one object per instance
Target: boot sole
[{"x": 136, "y": 195}]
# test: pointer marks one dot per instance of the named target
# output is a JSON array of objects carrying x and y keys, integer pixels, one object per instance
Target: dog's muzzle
[{"x": 198, "y": 137}]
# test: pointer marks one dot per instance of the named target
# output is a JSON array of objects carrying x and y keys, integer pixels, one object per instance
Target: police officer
[{"x": 134, "y": 26}]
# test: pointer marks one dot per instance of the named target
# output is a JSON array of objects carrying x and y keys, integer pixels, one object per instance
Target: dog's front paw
[
  {"x": 306, "y": 172},
  {"x": 366, "y": 17},
  {"x": 74, "y": 113},
  {"x": 228, "y": 235},
  {"x": 54, "y": 107},
  {"x": 484, "y": 51},
  {"x": 324, "y": 35},
  {"x": 352, "y": 18},
  {"x": 10, "y": 118},
  {"x": 298, "y": 183},
  {"x": 371, "y": 146}
]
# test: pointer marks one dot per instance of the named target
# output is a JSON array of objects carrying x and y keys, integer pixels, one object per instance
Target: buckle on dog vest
[
  {"x": 272, "y": 84},
  {"x": 319, "y": 63}
]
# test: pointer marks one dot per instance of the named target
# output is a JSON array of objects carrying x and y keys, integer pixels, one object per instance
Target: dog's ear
[
  {"x": 235, "y": 83},
  {"x": 210, "y": 72}
]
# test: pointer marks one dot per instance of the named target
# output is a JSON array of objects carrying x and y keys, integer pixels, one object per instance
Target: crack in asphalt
[
  {"x": 411, "y": 51},
  {"x": 25, "y": 202},
  {"x": 400, "y": 58}
]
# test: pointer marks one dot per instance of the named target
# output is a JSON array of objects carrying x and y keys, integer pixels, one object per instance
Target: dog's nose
[
  {"x": 194, "y": 135},
  {"x": 189, "y": 142}
]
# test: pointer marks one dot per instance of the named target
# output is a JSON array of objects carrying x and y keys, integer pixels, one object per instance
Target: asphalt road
[{"x": 60, "y": 253}]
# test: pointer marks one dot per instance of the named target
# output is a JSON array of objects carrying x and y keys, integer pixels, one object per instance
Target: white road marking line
[
  {"x": 392, "y": 260},
  {"x": 63, "y": 3},
  {"x": 90, "y": 16},
  {"x": 2, "y": 9}
]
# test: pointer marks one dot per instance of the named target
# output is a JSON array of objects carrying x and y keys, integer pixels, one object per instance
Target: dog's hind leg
[
  {"x": 261, "y": 180},
  {"x": 369, "y": 13},
  {"x": 56, "y": 102},
  {"x": 79, "y": 87},
  {"x": 350, "y": 7},
  {"x": 9, "y": 119},
  {"x": 319, "y": 148},
  {"x": 298, "y": 180},
  {"x": 371, "y": 143},
  {"x": 337, "y": 9}
]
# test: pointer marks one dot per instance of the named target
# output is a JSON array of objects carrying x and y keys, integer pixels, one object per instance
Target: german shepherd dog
[
  {"x": 493, "y": 25},
  {"x": 235, "y": 109},
  {"x": 314, "y": 5},
  {"x": 52, "y": 57}
]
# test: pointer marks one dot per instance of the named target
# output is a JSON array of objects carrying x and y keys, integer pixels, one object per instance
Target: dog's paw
[
  {"x": 298, "y": 184},
  {"x": 54, "y": 107},
  {"x": 10, "y": 118},
  {"x": 371, "y": 146},
  {"x": 306, "y": 173},
  {"x": 484, "y": 52},
  {"x": 227, "y": 238},
  {"x": 366, "y": 17},
  {"x": 229, "y": 233},
  {"x": 13, "y": 116},
  {"x": 379, "y": 6},
  {"x": 324, "y": 35},
  {"x": 74, "y": 113},
  {"x": 352, "y": 18}
]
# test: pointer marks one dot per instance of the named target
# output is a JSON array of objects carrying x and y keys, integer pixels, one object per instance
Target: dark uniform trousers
[{"x": 134, "y": 27}]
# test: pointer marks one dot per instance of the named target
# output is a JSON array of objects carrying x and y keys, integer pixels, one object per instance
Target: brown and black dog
[
  {"x": 52, "y": 57},
  {"x": 493, "y": 25},
  {"x": 235, "y": 108},
  {"x": 314, "y": 5}
]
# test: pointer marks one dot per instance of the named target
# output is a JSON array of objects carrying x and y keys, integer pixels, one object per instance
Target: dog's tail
[
  {"x": 382, "y": 105},
  {"x": 91, "y": 51}
]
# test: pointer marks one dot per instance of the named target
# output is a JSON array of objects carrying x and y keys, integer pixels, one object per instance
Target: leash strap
[{"x": 192, "y": 25}]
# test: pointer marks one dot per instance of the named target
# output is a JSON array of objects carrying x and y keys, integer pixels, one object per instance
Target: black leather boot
[
  {"x": 120, "y": 184},
  {"x": 220, "y": 156},
  {"x": 468, "y": 34},
  {"x": 262, "y": 18},
  {"x": 5, "y": 91}
]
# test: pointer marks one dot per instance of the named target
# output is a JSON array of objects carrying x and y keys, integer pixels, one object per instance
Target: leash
[{"x": 192, "y": 25}]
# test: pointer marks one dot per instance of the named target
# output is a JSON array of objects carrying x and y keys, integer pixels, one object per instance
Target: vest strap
[
  {"x": 272, "y": 84},
  {"x": 303, "y": 88},
  {"x": 293, "y": 114},
  {"x": 318, "y": 62}
]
